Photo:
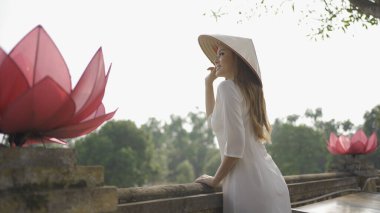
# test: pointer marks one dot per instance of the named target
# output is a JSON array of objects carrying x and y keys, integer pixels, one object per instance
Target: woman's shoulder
[
  {"x": 228, "y": 88},
  {"x": 227, "y": 85}
]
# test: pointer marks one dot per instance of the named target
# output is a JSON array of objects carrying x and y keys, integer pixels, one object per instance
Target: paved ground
[{"x": 361, "y": 202}]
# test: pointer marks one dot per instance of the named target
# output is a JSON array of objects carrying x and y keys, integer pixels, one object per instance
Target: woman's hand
[
  {"x": 207, "y": 179},
  {"x": 211, "y": 76},
  {"x": 209, "y": 91}
]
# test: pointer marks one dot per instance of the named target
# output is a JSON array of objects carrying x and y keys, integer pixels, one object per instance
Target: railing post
[{"x": 365, "y": 170}]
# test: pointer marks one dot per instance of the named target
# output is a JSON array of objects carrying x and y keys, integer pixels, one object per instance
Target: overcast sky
[{"x": 158, "y": 68}]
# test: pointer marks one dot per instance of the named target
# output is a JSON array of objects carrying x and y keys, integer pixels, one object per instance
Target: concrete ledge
[
  {"x": 191, "y": 197},
  {"x": 127, "y": 195},
  {"x": 311, "y": 189},
  {"x": 312, "y": 177},
  {"x": 14, "y": 158},
  {"x": 100, "y": 199},
  {"x": 50, "y": 177},
  {"x": 206, "y": 203}
]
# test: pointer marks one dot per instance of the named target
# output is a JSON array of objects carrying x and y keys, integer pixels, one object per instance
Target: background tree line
[{"x": 180, "y": 150}]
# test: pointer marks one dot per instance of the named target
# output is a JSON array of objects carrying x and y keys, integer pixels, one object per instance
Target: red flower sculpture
[
  {"x": 37, "y": 103},
  {"x": 357, "y": 144}
]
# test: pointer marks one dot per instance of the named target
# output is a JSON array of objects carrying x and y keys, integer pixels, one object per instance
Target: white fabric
[{"x": 255, "y": 184}]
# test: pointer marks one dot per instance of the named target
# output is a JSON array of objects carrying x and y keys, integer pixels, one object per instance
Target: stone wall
[{"x": 48, "y": 180}]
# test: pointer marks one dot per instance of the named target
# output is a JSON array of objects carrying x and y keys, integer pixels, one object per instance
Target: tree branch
[{"x": 367, "y": 7}]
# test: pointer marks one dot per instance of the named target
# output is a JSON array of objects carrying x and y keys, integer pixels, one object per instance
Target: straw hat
[{"x": 243, "y": 47}]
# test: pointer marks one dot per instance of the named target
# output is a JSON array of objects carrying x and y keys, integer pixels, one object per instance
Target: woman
[{"x": 251, "y": 180}]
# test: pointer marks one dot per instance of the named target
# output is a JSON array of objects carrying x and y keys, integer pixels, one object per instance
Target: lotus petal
[
  {"x": 81, "y": 128},
  {"x": 38, "y": 57},
  {"x": 358, "y": 142},
  {"x": 359, "y": 136},
  {"x": 371, "y": 144},
  {"x": 332, "y": 150},
  {"x": 13, "y": 82},
  {"x": 42, "y": 106},
  {"x": 62, "y": 115},
  {"x": 37, "y": 103},
  {"x": 343, "y": 144},
  {"x": 356, "y": 148},
  {"x": 331, "y": 145},
  {"x": 43, "y": 140},
  {"x": 89, "y": 91},
  {"x": 99, "y": 112}
]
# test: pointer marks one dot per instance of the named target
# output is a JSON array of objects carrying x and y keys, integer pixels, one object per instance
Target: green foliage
[
  {"x": 372, "y": 124},
  {"x": 153, "y": 128},
  {"x": 124, "y": 150},
  {"x": 297, "y": 149},
  {"x": 327, "y": 127},
  {"x": 315, "y": 115},
  {"x": 185, "y": 172},
  {"x": 184, "y": 148},
  {"x": 323, "y": 16},
  {"x": 213, "y": 162},
  {"x": 182, "y": 141},
  {"x": 292, "y": 118}
]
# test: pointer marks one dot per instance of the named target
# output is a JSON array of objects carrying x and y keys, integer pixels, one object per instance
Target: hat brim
[{"x": 209, "y": 45}]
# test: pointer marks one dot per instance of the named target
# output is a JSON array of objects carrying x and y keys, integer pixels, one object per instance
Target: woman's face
[{"x": 225, "y": 62}]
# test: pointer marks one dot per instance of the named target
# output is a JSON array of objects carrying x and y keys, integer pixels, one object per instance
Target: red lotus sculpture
[
  {"x": 37, "y": 103},
  {"x": 357, "y": 144}
]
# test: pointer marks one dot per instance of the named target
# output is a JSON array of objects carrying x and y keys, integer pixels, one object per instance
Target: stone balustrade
[{"x": 194, "y": 197}]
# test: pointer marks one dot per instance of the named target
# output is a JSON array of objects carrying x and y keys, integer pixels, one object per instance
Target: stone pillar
[
  {"x": 365, "y": 170},
  {"x": 48, "y": 180}
]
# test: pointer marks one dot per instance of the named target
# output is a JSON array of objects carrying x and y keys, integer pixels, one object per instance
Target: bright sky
[{"x": 158, "y": 68}]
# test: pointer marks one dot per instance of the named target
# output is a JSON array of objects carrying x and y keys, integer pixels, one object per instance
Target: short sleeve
[{"x": 234, "y": 131}]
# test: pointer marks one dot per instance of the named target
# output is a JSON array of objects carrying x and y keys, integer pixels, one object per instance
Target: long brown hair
[{"x": 252, "y": 90}]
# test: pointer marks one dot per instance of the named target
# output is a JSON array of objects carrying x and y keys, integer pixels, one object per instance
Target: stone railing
[
  {"x": 48, "y": 180},
  {"x": 193, "y": 197}
]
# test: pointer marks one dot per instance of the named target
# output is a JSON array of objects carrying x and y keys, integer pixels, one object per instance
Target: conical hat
[{"x": 243, "y": 47}]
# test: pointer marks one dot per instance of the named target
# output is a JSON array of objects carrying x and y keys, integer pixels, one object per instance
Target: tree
[
  {"x": 325, "y": 15},
  {"x": 185, "y": 172},
  {"x": 297, "y": 149},
  {"x": 202, "y": 144},
  {"x": 292, "y": 118},
  {"x": 372, "y": 124},
  {"x": 326, "y": 127},
  {"x": 347, "y": 125},
  {"x": 189, "y": 139},
  {"x": 305, "y": 145},
  {"x": 124, "y": 150},
  {"x": 178, "y": 144},
  {"x": 213, "y": 162},
  {"x": 183, "y": 141},
  {"x": 315, "y": 115},
  {"x": 153, "y": 128}
]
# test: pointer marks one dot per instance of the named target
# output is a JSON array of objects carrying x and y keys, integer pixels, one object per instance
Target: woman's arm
[
  {"x": 228, "y": 162},
  {"x": 225, "y": 167},
  {"x": 209, "y": 91}
]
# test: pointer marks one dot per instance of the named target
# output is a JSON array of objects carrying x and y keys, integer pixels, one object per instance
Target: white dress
[{"x": 255, "y": 184}]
